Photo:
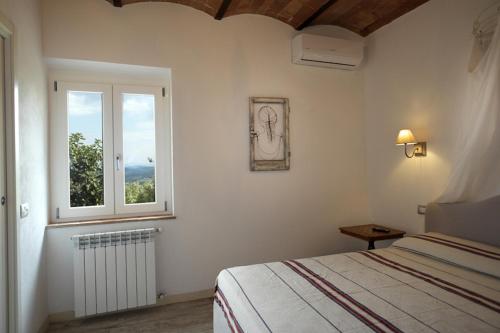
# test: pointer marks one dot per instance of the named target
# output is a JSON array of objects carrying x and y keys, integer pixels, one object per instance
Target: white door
[{"x": 3, "y": 206}]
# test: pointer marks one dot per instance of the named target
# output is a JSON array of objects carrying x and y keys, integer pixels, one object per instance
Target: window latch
[{"x": 118, "y": 158}]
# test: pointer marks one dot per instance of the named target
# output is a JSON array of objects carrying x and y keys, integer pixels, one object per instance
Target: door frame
[{"x": 12, "y": 167}]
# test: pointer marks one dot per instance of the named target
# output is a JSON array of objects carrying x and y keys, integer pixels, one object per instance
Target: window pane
[
  {"x": 85, "y": 148},
  {"x": 139, "y": 153}
]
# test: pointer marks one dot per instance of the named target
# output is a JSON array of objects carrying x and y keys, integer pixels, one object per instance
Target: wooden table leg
[{"x": 371, "y": 245}]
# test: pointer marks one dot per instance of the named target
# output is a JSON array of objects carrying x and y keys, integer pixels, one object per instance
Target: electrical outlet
[
  {"x": 25, "y": 210},
  {"x": 421, "y": 209}
]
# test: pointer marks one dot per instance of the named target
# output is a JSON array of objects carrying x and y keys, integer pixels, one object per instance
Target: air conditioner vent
[{"x": 322, "y": 51}]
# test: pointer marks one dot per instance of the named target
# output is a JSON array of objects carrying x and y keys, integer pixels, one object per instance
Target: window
[
  {"x": 111, "y": 152},
  {"x": 139, "y": 153}
]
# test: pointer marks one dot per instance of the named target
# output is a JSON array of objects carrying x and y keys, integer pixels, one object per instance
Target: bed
[{"x": 434, "y": 282}]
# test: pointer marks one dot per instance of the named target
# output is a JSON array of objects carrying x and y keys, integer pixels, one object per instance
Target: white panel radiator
[{"x": 114, "y": 271}]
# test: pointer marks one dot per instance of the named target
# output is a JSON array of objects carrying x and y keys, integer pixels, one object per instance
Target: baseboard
[
  {"x": 45, "y": 326},
  {"x": 186, "y": 297},
  {"x": 169, "y": 299},
  {"x": 61, "y": 316}
]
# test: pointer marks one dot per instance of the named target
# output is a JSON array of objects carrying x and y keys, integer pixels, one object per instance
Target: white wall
[
  {"x": 227, "y": 215},
  {"x": 416, "y": 78},
  {"x": 30, "y": 79}
]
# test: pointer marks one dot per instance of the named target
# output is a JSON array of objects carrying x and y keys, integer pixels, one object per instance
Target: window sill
[{"x": 110, "y": 220}]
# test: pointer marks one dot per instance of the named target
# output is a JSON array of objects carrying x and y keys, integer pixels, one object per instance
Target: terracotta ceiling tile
[{"x": 360, "y": 16}]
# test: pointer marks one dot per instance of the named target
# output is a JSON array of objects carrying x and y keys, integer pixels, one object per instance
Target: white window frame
[
  {"x": 160, "y": 140},
  {"x": 114, "y": 185},
  {"x": 60, "y": 163}
]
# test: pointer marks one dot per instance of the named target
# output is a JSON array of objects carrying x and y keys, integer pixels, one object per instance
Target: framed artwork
[{"x": 269, "y": 134}]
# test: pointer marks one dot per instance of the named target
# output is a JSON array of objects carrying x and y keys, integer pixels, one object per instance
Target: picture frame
[{"x": 269, "y": 134}]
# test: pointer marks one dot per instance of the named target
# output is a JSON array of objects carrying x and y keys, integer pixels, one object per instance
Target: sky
[
  {"x": 138, "y": 129},
  {"x": 85, "y": 116}
]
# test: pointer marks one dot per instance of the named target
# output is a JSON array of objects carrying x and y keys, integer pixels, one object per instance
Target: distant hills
[{"x": 139, "y": 173}]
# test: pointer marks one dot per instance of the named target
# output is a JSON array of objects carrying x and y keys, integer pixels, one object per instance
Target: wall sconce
[{"x": 406, "y": 137}]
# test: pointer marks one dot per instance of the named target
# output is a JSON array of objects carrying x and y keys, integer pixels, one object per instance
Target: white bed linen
[
  {"x": 386, "y": 290},
  {"x": 468, "y": 254}
]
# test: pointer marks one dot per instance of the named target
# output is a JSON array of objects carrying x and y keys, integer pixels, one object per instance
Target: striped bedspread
[{"x": 417, "y": 285}]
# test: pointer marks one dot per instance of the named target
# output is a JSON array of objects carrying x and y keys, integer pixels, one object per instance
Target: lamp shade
[{"x": 405, "y": 136}]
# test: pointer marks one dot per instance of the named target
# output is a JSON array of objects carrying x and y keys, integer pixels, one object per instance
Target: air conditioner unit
[{"x": 322, "y": 51}]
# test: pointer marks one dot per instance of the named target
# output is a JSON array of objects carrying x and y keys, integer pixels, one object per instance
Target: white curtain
[{"x": 476, "y": 173}]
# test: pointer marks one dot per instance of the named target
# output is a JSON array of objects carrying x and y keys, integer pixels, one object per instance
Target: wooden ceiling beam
[
  {"x": 222, "y": 9},
  {"x": 316, "y": 14},
  {"x": 117, "y": 3}
]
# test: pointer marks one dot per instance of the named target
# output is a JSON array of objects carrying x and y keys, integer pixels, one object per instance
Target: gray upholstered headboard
[{"x": 477, "y": 221}]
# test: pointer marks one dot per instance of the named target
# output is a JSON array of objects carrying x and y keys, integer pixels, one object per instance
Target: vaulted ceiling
[{"x": 360, "y": 16}]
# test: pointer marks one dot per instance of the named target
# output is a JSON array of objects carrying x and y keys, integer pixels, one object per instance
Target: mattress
[{"x": 423, "y": 283}]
